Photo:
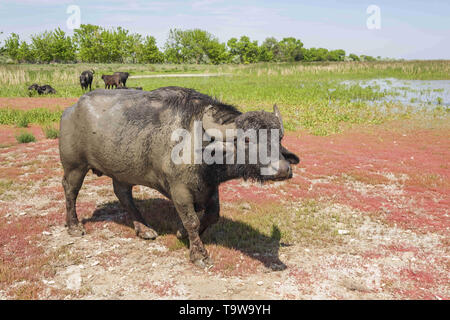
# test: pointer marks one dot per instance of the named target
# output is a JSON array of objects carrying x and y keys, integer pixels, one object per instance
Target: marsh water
[{"x": 420, "y": 93}]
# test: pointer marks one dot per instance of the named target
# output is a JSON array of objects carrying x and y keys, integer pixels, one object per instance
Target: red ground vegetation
[
  {"x": 404, "y": 178},
  {"x": 27, "y": 103}
]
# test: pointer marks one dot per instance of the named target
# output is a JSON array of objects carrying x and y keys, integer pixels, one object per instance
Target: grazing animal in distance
[
  {"x": 34, "y": 87},
  {"x": 86, "y": 78},
  {"x": 44, "y": 89},
  {"x": 127, "y": 136},
  {"x": 123, "y": 77},
  {"x": 111, "y": 81}
]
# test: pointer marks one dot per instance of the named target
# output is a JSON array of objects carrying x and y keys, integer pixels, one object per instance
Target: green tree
[
  {"x": 290, "y": 49},
  {"x": 49, "y": 46},
  {"x": 112, "y": 45},
  {"x": 336, "y": 55},
  {"x": 148, "y": 51},
  {"x": 96, "y": 44},
  {"x": 11, "y": 47},
  {"x": 173, "y": 46},
  {"x": 244, "y": 50},
  {"x": 121, "y": 45},
  {"x": 88, "y": 42},
  {"x": 62, "y": 48},
  {"x": 315, "y": 54},
  {"x": 265, "y": 54},
  {"x": 25, "y": 53},
  {"x": 133, "y": 43},
  {"x": 270, "y": 50},
  {"x": 366, "y": 58},
  {"x": 217, "y": 52},
  {"x": 41, "y": 45},
  {"x": 194, "y": 46},
  {"x": 353, "y": 57}
]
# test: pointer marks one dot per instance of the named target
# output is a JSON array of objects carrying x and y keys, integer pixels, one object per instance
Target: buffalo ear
[
  {"x": 277, "y": 113},
  {"x": 289, "y": 156}
]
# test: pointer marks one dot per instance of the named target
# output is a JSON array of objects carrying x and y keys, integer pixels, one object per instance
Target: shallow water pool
[{"x": 420, "y": 93}]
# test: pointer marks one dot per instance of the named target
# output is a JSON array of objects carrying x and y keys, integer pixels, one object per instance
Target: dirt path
[
  {"x": 366, "y": 216},
  {"x": 113, "y": 267}
]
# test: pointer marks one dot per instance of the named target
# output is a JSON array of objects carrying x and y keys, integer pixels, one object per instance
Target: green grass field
[{"x": 310, "y": 95}]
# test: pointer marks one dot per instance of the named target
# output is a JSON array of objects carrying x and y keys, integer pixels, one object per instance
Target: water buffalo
[
  {"x": 128, "y": 135},
  {"x": 111, "y": 80},
  {"x": 34, "y": 87},
  {"x": 86, "y": 78},
  {"x": 123, "y": 77},
  {"x": 44, "y": 89}
]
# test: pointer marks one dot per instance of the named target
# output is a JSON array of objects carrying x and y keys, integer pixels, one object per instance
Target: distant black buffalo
[
  {"x": 34, "y": 86},
  {"x": 45, "y": 89},
  {"x": 123, "y": 77},
  {"x": 86, "y": 78}
]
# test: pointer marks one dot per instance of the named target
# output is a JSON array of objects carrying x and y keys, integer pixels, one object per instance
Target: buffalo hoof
[
  {"x": 182, "y": 234},
  {"x": 144, "y": 232},
  {"x": 205, "y": 263},
  {"x": 76, "y": 230}
]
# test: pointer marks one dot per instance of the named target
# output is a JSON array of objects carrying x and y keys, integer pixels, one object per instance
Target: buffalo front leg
[
  {"x": 123, "y": 192},
  {"x": 72, "y": 182},
  {"x": 210, "y": 217},
  {"x": 183, "y": 201}
]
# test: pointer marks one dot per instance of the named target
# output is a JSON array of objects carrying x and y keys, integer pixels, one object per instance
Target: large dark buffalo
[
  {"x": 127, "y": 135},
  {"x": 123, "y": 76},
  {"x": 86, "y": 78}
]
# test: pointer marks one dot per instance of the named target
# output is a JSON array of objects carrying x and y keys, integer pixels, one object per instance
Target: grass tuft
[
  {"x": 51, "y": 132},
  {"x": 25, "y": 137}
]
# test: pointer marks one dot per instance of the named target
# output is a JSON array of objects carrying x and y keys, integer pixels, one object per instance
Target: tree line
[{"x": 95, "y": 44}]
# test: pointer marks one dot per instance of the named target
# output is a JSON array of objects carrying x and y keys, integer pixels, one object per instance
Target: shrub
[
  {"x": 51, "y": 132},
  {"x": 22, "y": 121},
  {"x": 25, "y": 137}
]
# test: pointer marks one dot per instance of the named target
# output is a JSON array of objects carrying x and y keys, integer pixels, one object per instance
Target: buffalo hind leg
[
  {"x": 183, "y": 201},
  {"x": 72, "y": 182},
  {"x": 210, "y": 217},
  {"x": 123, "y": 192}
]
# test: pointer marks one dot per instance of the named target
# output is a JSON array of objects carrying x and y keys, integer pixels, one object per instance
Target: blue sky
[{"x": 409, "y": 29}]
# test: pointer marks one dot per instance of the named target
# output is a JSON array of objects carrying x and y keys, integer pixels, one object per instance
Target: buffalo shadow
[{"x": 161, "y": 215}]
